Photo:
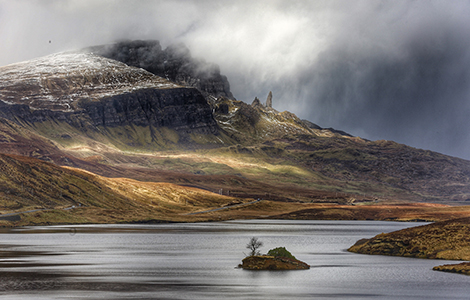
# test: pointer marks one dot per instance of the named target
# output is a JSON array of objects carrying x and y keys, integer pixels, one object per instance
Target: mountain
[
  {"x": 161, "y": 116},
  {"x": 104, "y": 100},
  {"x": 174, "y": 63}
]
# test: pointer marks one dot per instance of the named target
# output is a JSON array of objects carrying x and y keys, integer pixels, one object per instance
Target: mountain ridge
[{"x": 162, "y": 131}]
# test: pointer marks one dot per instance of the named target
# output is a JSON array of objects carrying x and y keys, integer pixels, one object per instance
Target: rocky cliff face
[
  {"x": 174, "y": 63},
  {"x": 88, "y": 91},
  {"x": 180, "y": 109}
]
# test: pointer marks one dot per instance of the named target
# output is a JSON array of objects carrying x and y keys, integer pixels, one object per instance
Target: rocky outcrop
[
  {"x": 269, "y": 100},
  {"x": 180, "y": 109},
  {"x": 175, "y": 63},
  {"x": 247, "y": 123},
  {"x": 256, "y": 103},
  {"x": 267, "y": 262}
]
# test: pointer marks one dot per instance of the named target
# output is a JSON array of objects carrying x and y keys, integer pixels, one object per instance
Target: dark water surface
[{"x": 197, "y": 261}]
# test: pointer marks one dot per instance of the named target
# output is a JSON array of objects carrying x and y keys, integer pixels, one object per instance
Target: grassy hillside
[
  {"x": 68, "y": 195},
  {"x": 441, "y": 240},
  {"x": 43, "y": 193}
]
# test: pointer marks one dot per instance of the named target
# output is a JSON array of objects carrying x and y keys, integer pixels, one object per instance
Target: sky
[{"x": 395, "y": 70}]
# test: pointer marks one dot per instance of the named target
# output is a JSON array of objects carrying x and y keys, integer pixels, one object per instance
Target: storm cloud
[{"x": 396, "y": 70}]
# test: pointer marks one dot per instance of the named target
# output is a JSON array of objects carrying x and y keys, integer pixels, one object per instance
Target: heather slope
[{"x": 68, "y": 195}]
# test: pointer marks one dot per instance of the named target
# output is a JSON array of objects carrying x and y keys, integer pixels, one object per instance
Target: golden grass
[{"x": 441, "y": 240}]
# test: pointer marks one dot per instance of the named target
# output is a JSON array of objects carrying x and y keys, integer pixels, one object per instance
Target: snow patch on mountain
[{"x": 59, "y": 80}]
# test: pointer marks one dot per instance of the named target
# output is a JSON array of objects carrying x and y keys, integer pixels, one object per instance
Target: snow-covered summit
[{"x": 59, "y": 80}]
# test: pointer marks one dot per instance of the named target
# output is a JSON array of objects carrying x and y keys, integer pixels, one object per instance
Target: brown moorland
[
  {"x": 31, "y": 184},
  {"x": 441, "y": 240}
]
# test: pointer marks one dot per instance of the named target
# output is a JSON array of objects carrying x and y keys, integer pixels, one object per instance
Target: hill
[
  {"x": 33, "y": 192},
  {"x": 176, "y": 122}
]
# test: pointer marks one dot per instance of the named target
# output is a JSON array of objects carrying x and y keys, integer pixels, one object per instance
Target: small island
[
  {"x": 276, "y": 259},
  {"x": 268, "y": 262}
]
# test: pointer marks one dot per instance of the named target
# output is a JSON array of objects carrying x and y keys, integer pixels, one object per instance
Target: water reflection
[{"x": 198, "y": 261}]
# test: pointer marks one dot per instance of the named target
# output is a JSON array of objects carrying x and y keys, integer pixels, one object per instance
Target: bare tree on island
[{"x": 253, "y": 246}]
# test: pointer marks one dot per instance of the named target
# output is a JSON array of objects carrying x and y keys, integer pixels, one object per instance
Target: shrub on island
[{"x": 281, "y": 252}]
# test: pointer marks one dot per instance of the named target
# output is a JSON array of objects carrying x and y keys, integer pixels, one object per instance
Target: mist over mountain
[
  {"x": 395, "y": 70},
  {"x": 174, "y": 63}
]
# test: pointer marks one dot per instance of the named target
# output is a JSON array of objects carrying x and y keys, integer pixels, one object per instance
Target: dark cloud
[
  {"x": 396, "y": 70},
  {"x": 415, "y": 90}
]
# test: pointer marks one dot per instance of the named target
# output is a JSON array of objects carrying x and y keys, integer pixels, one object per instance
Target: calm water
[{"x": 197, "y": 261}]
